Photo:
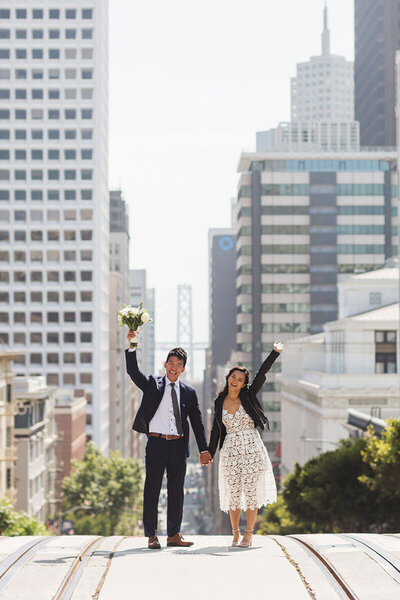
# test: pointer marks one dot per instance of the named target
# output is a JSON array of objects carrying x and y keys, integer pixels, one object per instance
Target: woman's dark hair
[
  {"x": 180, "y": 353},
  {"x": 223, "y": 392}
]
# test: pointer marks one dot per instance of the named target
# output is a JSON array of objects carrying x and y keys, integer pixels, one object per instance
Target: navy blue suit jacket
[{"x": 153, "y": 391}]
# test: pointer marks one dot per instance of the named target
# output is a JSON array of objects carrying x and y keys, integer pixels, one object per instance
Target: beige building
[
  {"x": 35, "y": 434},
  {"x": 8, "y": 409}
]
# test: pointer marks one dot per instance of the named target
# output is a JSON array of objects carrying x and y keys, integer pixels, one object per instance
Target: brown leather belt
[{"x": 166, "y": 437}]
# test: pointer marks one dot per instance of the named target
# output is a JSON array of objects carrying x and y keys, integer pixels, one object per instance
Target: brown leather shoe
[
  {"x": 177, "y": 540},
  {"x": 154, "y": 544}
]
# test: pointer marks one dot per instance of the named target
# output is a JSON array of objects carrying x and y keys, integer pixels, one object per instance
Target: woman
[{"x": 246, "y": 479}]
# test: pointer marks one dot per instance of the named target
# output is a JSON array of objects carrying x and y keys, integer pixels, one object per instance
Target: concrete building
[
  {"x": 36, "y": 437},
  {"x": 70, "y": 416},
  {"x": 8, "y": 410},
  {"x": 353, "y": 363},
  {"x": 377, "y": 37},
  {"x": 323, "y": 88},
  {"x": 122, "y": 393},
  {"x": 305, "y": 223},
  {"x": 54, "y": 217},
  {"x": 139, "y": 292},
  {"x": 310, "y": 136}
]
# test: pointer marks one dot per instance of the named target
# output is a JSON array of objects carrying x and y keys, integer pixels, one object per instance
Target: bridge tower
[{"x": 184, "y": 323}]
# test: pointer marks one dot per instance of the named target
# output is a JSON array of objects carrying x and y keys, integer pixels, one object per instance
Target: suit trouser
[{"x": 161, "y": 455}]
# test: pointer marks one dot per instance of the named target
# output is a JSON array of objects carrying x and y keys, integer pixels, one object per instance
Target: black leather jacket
[{"x": 250, "y": 403}]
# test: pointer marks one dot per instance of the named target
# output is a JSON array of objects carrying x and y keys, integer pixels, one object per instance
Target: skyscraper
[
  {"x": 323, "y": 88},
  {"x": 54, "y": 217},
  {"x": 121, "y": 390},
  {"x": 304, "y": 223},
  {"x": 377, "y": 36}
]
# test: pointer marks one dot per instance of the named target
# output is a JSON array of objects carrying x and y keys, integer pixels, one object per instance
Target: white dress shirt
[{"x": 164, "y": 419}]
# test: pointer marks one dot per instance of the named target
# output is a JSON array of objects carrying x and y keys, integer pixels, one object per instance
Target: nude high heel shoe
[
  {"x": 249, "y": 543},
  {"x": 235, "y": 544}
]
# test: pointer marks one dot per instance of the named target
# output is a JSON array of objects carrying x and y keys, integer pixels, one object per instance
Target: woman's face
[{"x": 236, "y": 381}]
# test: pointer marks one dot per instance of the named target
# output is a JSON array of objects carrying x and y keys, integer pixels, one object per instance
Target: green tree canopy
[
  {"x": 111, "y": 488},
  {"x": 14, "y": 522},
  {"x": 382, "y": 455}
]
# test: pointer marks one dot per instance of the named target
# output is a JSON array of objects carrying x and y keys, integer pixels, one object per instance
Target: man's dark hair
[{"x": 179, "y": 353}]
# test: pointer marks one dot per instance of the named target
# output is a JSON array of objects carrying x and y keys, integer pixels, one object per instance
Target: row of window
[
  {"x": 245, "y": 211},
  {"x": 52, "y": 94},
  {"x": 277, "y": 307},
  {"x": 52, "y": 338},
  {"x": 52, "y": 113},
  {"x": 86, "y": 154},
  {"x": 51, "y": 255},
  {"x": 51, "y": 73},
  {"x": 52, "y": 53},
  {"x": 52, "y": 276},
  {"x": 292, "y": 268},
  {"x": 321, "y": 165},
  {"x": 39, "y": 34},
  {"x": 304, "y": 189},
  {"x": 36, "y": 216},
  {"x": 52, "y": 134},
  {"x": 37, "y": 317},
  {"x": 276, "y": 328},
  {"x": 51, "y": 358},
  {"x": 277, "y": 288},
  {"x": 52, "y": 13},
  {"x": 55, "y": 235},
  {"x": 37, "y": 358},
  {"x": 307, "y": 229},
  {"x": 39, "y": 195},
  {"x": 37, "y": 297},
  {"x": 51, "y": 175}
]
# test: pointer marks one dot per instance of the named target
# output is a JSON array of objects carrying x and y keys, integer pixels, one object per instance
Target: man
[{"x": 166, "y": 405}]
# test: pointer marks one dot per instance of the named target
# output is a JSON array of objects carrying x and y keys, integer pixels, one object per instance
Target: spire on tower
[{"x": 325, "y": 33}]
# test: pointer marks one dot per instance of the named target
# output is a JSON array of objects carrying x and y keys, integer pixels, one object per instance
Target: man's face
[{"x": 174, "y": 367}]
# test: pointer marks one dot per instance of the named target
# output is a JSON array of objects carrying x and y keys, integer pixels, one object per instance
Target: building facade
[
  {"x": 36, "y": 438},
  {"x": 139, "y": 292},
  {"x": 323, "y": 88},
  {"x": 8, "y": 410},
  {"x": 54, "y": 231},
  {"x": 377, "y": 37},
  {"x": 352, "y": 364},
  {"x": 305, "y": 222},
  {"x": 70, "y": 417},
  {"x": 122, "y": 393}
]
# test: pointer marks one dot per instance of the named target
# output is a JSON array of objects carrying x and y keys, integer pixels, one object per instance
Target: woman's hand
[{"x": 279, "y": 346}]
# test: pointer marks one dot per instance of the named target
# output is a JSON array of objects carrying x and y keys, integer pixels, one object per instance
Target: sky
[{"x": 191, "y": 81}]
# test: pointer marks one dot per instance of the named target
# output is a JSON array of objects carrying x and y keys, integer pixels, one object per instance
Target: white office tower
[
  {"x": 323, "y": 88},
  {"x": 54, "y": 210}
]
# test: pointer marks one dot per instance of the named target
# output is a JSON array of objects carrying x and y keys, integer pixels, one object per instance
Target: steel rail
[
  {"x": 383, "y": 557},
  {"x": 72, "y": 577},
  {"x": 338, "y": 583},
  {"x": 11, "y": 565}
]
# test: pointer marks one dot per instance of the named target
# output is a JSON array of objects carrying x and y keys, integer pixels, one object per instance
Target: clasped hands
[{"x": 205, "y": 459}]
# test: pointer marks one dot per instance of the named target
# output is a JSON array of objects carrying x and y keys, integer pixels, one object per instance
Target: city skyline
[{"x": 182, "y": 110}]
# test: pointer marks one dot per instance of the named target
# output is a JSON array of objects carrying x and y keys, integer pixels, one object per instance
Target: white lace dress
[{"x": 246, "y": 479}]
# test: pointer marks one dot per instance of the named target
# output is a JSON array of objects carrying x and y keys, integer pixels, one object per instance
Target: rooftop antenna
[{"x": 325, "y": 33}]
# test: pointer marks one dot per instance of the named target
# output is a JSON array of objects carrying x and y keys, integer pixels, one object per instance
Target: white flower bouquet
[{"x": 134, "y": 317}]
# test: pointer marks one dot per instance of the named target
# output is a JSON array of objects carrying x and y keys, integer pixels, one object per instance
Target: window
[
  {"x": 53, "y": 154},
  {"x": 37, "y": 13},
  {"x": 70, "y": 113},
  {"x": 37, "y": 94},
  {"x": 86, "y": 317},
  {"x": 52, "y": 338},
  {"x": 86, "y": 337},
  {"x": 70, "y": 134},
  {"x": 87, "y": 13},
  {"x": 375, "y": 298},
  {"x": 21, "y": 34},
  {"x": 70, "y": 53},
  {"x": 21, "y": 13},
  {"x": 54, "y": 53},
  {"x": 53, "y": 297},
  {"x": 37, "y": 154},
  {"x": 54, "y": 94},
  {"x": 37, "y": 134},
  {"x": 5, "y": 53},
  {"x": 87, "y": 73},
  {"x": 87, "y": 34},
  {"x": 385, "y": 352},
  {"x": 70, "y": 13},
  {"x": 5, "y": 13},
  {"x": 37, "y": 34},
  {"x": 70, "y": 34},
  {"x": 52, "y": 317},
  {"x": 37, "y": 74}
]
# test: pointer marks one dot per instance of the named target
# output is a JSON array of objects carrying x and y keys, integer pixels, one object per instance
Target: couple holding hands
[{"x": 246, "y": 480}]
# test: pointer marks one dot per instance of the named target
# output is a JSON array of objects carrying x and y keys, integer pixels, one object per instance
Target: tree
[
  {"x": 382, "y": 455},
  {"x": 14, "y": 522},
  {"x": 110, "y": 487},
  {"x": 277, "y": 520},
  {"x": 327, "y": 493}
]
